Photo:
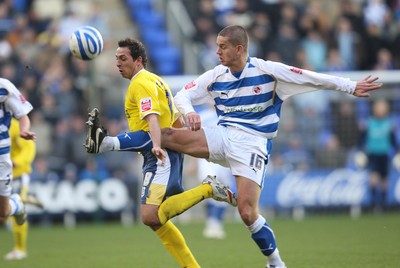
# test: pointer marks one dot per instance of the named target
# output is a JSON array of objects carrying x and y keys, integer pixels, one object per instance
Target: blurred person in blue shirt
[{"x": 379, "y": 143}]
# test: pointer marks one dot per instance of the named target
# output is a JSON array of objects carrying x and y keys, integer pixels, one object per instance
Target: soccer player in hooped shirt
[
  {"x": 149, "y": 106},
  {"x": 12, "y": 104},
  {"x": 22, "y": 155},
  {"x": 248, "y": 94}
]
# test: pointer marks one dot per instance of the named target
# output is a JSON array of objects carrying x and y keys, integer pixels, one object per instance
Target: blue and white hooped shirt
[
  {"x": 12, "y": 104},
  {"x": 252, "y": 99}
]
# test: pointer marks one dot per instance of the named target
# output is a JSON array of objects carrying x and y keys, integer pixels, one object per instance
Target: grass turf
[{"x": 328, "y": 241}]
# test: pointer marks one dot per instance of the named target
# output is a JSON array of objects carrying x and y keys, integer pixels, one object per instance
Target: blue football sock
[
  {"x": 135, "y": 141},
  {"x": 263, "y": 235}
]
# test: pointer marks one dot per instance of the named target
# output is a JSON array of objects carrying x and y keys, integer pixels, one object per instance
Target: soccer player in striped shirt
[
  {"x": 248, "y": 94},
  {"x": 12, "y": 104},
  {"x": 22, "y": 155}
]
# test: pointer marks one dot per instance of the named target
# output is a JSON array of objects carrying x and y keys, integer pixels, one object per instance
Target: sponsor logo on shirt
[
  {"x": 145, "y": 105},
  {"x": 243, "y": 109},
  {"x": 296, "y": 70},
  {"x": 190, "y": 85},
  {"x": 22, "y": 98}
]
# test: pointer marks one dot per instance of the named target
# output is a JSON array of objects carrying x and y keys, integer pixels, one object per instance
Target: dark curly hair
[{"x": 136, "y": 48}]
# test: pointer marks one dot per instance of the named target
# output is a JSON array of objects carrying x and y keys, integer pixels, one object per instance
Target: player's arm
[
  {"x": 293, "y": 81},
  {"x": 24, "y": 126},
  {"x": 366, "y": 85},
  {"x": 179, "y": 122},
  {"x": 194, "y": 93},
  {"x": 155, "y": 133}
]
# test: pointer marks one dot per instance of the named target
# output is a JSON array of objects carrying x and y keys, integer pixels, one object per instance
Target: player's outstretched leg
[
  {"x": 95, "y": 132},
  {"x": 221, "y": 192}
]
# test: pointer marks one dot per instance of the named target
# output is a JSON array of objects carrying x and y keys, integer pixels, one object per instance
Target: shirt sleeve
[
  {"x": 194, "y": 93},
  {"x": 293, "y": 81},
  {"x": 17, "y": 103}
]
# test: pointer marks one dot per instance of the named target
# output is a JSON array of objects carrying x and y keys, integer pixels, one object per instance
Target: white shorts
[
  {"x": 245, "y": 154},
  {"x": 5, "y": 175}
]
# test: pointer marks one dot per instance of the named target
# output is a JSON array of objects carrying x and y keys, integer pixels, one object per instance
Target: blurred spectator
[
  {"x": 41, "y": 172},
  {"x": 29, "y": 86},
  {"x": 207, "y": 56},
  {"x": 334, "y": 62},
  {"x": 67, "y": 25},
  {"x": 286, "y": 43},
  {"x": 15, "y": 35},
  {"x": 261, "y": 32},
  {"x": 310, "y": 125},
  {"x": 6, "y": 18},
  {"x": 44, "y": 133},
  {"x": 296, "y": 155},
  {"x": 241, "y": 15},
  {"x": 75, "y": 139},
  {"x": 375, "y": 13},
  {"x": 205, "y": 20},
  {"x": 5, "y": 47},
  {"x": 379, "y": 143},
  {"x": 94, "y": 170},
  {"x": 347, "y": 41},
  {"x": 384, "y": 60},
  {"x": 8, "y": 71},
  {"x": 331, "y": 155},
  {"x": 316, "y": 50},
  {"x": 48, "y": 108},
  {"x": 345, "y": 124},
  {"x": 66, "y": 97}
]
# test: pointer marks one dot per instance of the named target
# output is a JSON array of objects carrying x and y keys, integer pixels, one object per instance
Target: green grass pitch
[{"x": 328, "y": 241}]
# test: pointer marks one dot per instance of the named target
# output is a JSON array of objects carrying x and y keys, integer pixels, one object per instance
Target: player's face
[
  {"x": 127, "y": 67},
  {"x": 228, "y": 54}
]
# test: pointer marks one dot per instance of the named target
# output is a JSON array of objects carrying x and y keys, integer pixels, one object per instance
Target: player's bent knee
[
  {"x": 151, "y": 221},
  {"x": 248, "y": 215},
  {"x": 167, "y": 132}
]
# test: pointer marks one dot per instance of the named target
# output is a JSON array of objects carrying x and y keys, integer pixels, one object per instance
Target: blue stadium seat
[
  {"x": 168, "y": 68},
  {"x": 148, "y": 18},
  {"x": 167, "y": 60},
  {"x": 151, "y": 23},
  {"x": 155, "y": 37},
  {"x": 139, "y": 4}
]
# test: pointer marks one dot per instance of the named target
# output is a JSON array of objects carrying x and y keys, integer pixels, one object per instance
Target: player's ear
[{"x": 239, "y": 49}]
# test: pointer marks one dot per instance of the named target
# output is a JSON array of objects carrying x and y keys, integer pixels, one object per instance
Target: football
[{"x": 86, "y": 43}]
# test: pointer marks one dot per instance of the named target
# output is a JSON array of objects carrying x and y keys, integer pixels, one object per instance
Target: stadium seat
[
  {"x": 167, "y": 60},
  {"x": 155, "y": 38},
  {"x": 139, "y": 4},
  {"x": 165, "y": 57},
  {"x": 148, "y": 18}
]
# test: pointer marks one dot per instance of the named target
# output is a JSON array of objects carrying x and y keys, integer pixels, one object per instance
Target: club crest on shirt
[
  {"x": 145, "y": 105},
  {"x": 296, "y": 70},
  {"x": 257, "y": 90},
  {"x": 190, "y": 85}
]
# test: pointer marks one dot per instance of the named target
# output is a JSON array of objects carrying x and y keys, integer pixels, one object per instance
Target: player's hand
[
  {"x": 27, "y": 135},
  {"x": 366, "y": 85},
  {"x": 193, "y": 121},
  {"x": 160, "y": 154}
]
